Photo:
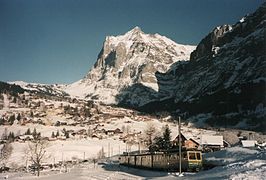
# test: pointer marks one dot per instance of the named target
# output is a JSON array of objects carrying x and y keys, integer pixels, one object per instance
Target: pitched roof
[
  {"x": 183, "y": 138},
  {"x": 194, "y": 141},
  {"x": 211, "y": 140},
  {"x": 248, "y": 143}
]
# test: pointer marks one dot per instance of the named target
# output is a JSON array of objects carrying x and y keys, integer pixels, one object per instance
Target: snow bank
[{"x": 229, "y": 155}]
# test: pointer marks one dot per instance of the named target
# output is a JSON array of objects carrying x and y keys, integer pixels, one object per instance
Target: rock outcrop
[
  {"x": 126, "y": 68},
  {"x": 225, "y": 80}
]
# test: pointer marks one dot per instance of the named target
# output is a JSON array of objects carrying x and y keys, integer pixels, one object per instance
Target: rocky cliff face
[
  {"x": 126, "y": 68},
  {"x": 225, "y": 79},
  {"x": 223, "y": 83}
]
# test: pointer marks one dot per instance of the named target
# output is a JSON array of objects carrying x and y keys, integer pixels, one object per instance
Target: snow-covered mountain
[
  {"x": 221, "y": 82},
  {"x": 126, "y": 67},
  {"x": 225, "y": 79},
  {"x": 49, "y": 89}
]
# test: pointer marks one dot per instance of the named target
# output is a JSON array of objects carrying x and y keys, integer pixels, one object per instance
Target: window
[
  {"x": 198, "y": 156},
  {"x": 192, "y": 156}
]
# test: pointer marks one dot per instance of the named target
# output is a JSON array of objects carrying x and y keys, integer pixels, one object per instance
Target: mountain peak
[
  {"x": 136, "y": 30},
  {"x": 128, "y": 63},
  {"x": 133, "y": 33}
]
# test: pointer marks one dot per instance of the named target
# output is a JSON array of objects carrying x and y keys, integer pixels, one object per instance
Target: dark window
[
  {"x": 198, "y": 156},
  {"x": 192, "y": 156}
]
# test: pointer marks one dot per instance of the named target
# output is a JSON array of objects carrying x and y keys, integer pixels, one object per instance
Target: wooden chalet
[
  {"x": 175, "y": 142},
  {"x": 188, "y": 144},
  {"x": 191, "y": 144}
]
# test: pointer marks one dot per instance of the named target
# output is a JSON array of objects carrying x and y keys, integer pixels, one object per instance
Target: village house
[
  {"x": 62, "y": 138},
  {"x": 113, "y": 132},
  {"x": 211, "y": 142},
  {"x": 50, "y": 106},
  {"x": 52, "y": 139},
  {"x": 175, "y": 142},
  {"x": 23, "y": 138},
  {"x": 130, "y": 137},
  {"x": 191, "y": 144},
  {"x": 96, "y": 136}
]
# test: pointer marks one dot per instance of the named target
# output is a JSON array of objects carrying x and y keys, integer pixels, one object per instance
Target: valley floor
[{"x": 235, "y": 163}]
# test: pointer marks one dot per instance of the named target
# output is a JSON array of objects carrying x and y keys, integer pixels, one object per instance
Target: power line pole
[
  {"x": 109, "y": 150},
  {"x": 179, "y": 131}
]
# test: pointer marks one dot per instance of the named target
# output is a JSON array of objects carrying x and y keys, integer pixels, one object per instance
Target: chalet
[
  {"x": 50, "y": 106},
  {"x": 117, "y": 131},
  {"x": 81, "y": 132},
  {"x": 96, "y": 136},
  {"x": 191, "y": 144},
  {"x": 52, "y": 139},
  {"x": 70, "y": 131},
  {"x": 3, "y": 141},
  {"x": 23, "y": 138},
  {"x": 63, "y": 123},
  {"x": 175, "y": 142},
  {"x": 113, "y": 132},
  {"x": 25, "y": 121},
  {"x": 60, "y": 123},
  {"x": 63, "y": 138},
  {"x": 212, "y": 143},
  {"x": 103, "y": 131},
  {"x": 130, "y": 137}
]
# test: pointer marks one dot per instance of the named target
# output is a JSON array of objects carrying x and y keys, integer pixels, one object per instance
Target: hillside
[{"x": 224, "y": 83}]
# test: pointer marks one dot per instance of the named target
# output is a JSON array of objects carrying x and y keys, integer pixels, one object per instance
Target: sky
[{"x": 57, "y": 41}]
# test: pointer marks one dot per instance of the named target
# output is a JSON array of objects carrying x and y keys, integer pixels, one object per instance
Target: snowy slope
[
  {"x": 225, "y": 78},
  {"x": 50, "y": 89},
  {"x": 128, "y": 60}
]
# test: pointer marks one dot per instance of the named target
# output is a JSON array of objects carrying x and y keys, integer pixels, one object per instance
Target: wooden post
[{"x": 179, "y": 134}]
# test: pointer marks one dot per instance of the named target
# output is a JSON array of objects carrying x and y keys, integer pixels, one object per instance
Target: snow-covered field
[
  {"x": 239, "y": 163},
  {"x": 232, "y": 163}
]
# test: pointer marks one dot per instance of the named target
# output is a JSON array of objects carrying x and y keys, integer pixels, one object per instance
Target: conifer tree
[
  {"x": 28, "y": 132},
  {"x": 18, "y": 117},
  {"x": 57, "y": 134},
  {"x": 53, "y": 135}
]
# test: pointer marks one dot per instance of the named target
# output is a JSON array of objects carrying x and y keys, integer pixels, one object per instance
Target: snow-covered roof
[
  {"x": 23, "y": 137},
  {"x": 212, "y": 140},
  {"x": 248, "y": 143}
]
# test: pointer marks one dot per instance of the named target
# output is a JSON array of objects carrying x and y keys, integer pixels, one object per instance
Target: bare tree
[
  {"x": 101, "y": 154},
  {"x": 5, "y": 153},
  {"x": 37, "y": 153},
  {"x": 5, "y": 134},
  {"x": 128, "y": 129}
]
